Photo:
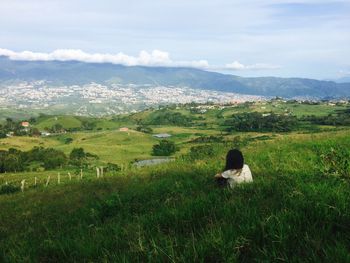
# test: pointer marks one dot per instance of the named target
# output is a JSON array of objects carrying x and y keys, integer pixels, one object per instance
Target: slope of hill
[
  {"x": 74, "y": 72},
  {"x": 175, "y": 213}
]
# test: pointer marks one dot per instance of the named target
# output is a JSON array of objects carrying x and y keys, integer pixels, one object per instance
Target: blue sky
[{"x": 250, "y": 38}]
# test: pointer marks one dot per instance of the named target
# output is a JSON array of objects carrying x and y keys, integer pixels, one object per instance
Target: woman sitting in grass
[{"x": 236, "y": 171}]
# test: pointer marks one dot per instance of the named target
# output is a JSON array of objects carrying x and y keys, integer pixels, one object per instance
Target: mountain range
[{"x": 76, "y": 72}]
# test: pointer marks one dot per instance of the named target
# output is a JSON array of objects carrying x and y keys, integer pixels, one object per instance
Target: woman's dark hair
[{"x": 234, "y": 160}]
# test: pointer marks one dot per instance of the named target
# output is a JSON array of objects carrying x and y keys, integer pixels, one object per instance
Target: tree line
[
  {"x": 340, "y": 118},
  {"x": 14, "y": 160},
  {"x": 255, "y": 121}
]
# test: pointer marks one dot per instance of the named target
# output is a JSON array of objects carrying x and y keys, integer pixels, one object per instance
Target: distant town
[{"x": 96, "y": 99}]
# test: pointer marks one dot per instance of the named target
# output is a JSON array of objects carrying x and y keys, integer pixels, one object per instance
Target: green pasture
[{"x": 66, "y": 122}]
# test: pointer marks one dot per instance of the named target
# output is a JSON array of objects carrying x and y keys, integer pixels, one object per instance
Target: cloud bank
[{"x": 154, "y": 58}]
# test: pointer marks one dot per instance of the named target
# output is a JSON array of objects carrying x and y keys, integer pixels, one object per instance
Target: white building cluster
[{"x": 97, "y": 99}]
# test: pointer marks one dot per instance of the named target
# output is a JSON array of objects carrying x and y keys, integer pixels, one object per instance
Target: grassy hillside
[
  {"x": 175, "y": 213},
  {"x": 66, "y": 122},
  {"x": 111, "y": 146},
  {"x": 296, "y": 210}
]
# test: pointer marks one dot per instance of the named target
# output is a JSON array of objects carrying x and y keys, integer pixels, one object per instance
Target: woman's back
[{"x": 237, "y": 176}]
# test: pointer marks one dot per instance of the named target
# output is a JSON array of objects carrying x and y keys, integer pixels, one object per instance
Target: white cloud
[
  {"x": 154, "y": 58},
  {"x": 258, "y": 66}
]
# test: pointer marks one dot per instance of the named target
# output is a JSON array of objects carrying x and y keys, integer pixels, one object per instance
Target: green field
[{"x": 296, "y": 210}]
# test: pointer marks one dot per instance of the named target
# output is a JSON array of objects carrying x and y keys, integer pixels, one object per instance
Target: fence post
[
  {"x": 35, "y": 181},
  {"x": 70, "y": 176},
  {"x": 97, "y": 172},
  {"x": 22, "y": 185},
  {"x": 58, "y": 178},
  {"x": 47, "y": 181},
  {"x": 101, "y": 171}
]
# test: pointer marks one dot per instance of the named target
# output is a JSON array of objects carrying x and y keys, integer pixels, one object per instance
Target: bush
[
  {"x": 164, "y": 148},
  {"x": 9, "y": 189},
  {"x": 68, "y": 140}
]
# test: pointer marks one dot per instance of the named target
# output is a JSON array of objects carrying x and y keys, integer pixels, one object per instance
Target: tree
[
  {"x": 9, "y": 124},
  {"x": 2, "y": 134},
  {"x": 88, "y": 125},
  {"x": 50, "y": 158},
  {"x": 12, "y": 163},
  {"x": 57, "y": 128},
  {"x": 164, "y": 148},
  {"x": 77, "y": 156},
  {"x": 54, "y": 158}
]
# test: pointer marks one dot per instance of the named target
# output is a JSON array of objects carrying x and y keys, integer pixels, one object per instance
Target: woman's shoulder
[
  {"x": 247, "y": 173},
  {"x": 246, "y": 167}
]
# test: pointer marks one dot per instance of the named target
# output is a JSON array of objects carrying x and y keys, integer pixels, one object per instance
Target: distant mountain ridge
[{"x": 75, "y": 72}]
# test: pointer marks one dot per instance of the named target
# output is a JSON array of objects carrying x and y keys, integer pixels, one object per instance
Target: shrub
[
  {"x": 164, "y": 148},
  {"x": 68, "y": 140}
]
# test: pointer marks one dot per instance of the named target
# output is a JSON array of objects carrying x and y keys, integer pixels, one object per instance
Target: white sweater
[{"x": 238, "y": 176}]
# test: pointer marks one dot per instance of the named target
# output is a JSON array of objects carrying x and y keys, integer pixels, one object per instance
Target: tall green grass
[{"x": 175, "y": 213}]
